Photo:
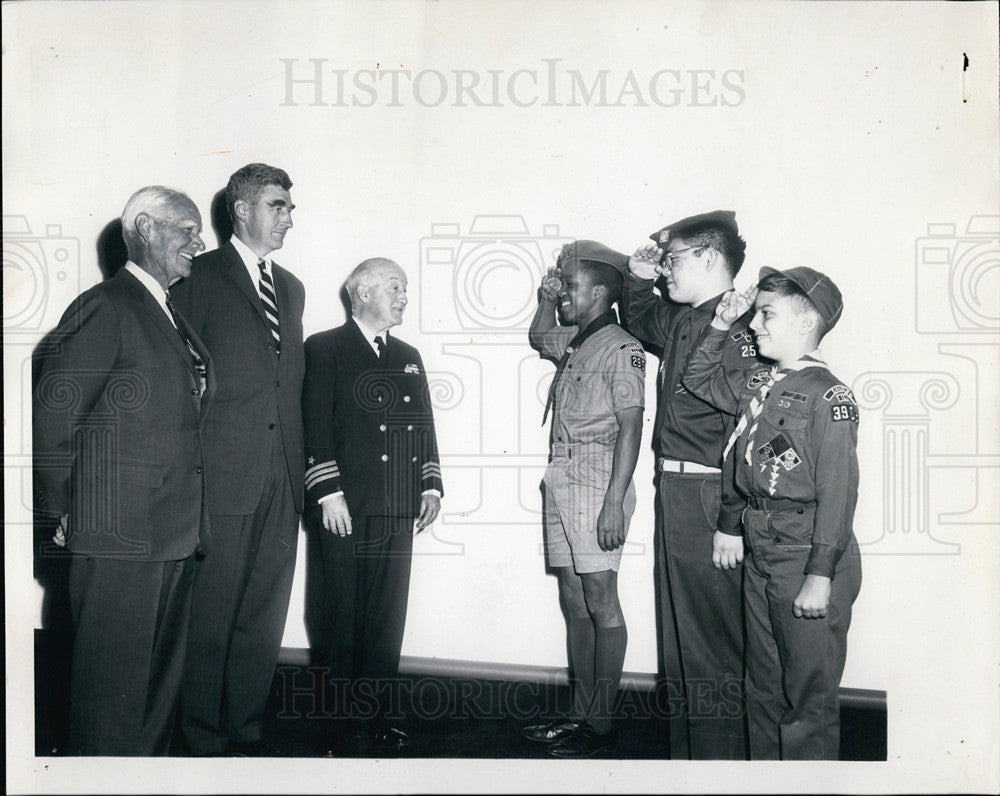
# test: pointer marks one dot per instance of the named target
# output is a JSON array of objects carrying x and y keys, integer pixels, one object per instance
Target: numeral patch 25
[{"x": 844, "y": 412}]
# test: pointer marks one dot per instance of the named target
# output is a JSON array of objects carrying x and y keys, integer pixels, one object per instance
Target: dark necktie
[
  {"x": 383, "y": 349},
  {"x": 270, "y": 303},
  {"x": 199, "y": 363}
]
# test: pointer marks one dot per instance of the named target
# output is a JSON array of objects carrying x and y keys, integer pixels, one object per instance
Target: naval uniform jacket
[{"x": 369, "y": 428}]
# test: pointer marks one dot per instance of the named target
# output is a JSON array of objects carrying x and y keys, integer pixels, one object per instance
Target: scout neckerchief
[
  {"x": 752, "y": 413},
  {"x": 599, "y": 322}
]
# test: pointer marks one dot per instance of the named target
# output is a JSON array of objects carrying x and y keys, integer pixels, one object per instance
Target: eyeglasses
[{"x": 669, "y": 257}]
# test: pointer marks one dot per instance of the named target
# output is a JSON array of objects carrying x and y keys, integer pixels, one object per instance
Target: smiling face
[
  {"x": 784, "y": 330},
  {"x": 263, "y": 224},
  {"x": 383, "y": 297},
  {"x": 173, "y": 239},
  {"x": 580, "y": 300}
]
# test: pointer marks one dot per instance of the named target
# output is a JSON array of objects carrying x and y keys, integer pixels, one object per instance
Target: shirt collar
[
  {"x": 148, "y": 282},
  {"x": 248, "y": 257},
  {"x": 595, "y": 325},
  {"x": 369, "y": 333}
]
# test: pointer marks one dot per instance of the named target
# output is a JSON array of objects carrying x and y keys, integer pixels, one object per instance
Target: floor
[{"x": 445, "y": 717}]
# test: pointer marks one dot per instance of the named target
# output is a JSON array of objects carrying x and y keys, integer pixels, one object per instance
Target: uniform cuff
[
  {"x": 730, "y": 523},
  {"x": 823, "y": 560}
]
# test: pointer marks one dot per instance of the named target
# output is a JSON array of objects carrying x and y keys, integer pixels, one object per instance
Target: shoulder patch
[
  {"x": 844, "y": 412},
  {"x": 841, "y": 393},
  {"x": 757, "y": 378},
  {"x": 639, "y": 361}
]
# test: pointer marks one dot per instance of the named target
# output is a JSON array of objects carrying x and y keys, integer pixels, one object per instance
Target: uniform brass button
[
  {"x": 385, "y": 457},
  {"x": 382, "y": 427},
  {"x": 409, "y": 428},
  {"x": 413, "y": 459},
  {"x": 406, "y": 399}
]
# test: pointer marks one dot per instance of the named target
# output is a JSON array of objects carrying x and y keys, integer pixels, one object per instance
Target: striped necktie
[
  {"x": 199, "y": 363},
  {"x": 270, "y": 303}
]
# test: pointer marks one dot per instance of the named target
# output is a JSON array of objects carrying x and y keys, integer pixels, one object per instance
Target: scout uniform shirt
[
  {"x": 602, "y": 374},
  {"x": 803, "y": 449}
]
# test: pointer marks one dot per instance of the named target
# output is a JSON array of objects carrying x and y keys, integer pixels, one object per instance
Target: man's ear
[
  {"x": 363, "y": 293},
  {"x": 144, "y": 226},
  {"x": 240, "y": 210}
]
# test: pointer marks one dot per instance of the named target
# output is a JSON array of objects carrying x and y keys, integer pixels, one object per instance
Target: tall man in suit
[
  {"x": 372, "y": 468},
  {"x": 118, "y": 409},
  {"x": 248, "y": 311}
]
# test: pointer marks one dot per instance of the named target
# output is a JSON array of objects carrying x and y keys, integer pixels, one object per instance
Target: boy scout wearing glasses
[
  {"x": 795, "y": 452},
  {"x": 699, "y": 546},
  {"x": 596, "y": 399}
]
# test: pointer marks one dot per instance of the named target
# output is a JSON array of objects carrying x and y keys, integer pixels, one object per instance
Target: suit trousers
[
  {"x": 366, "y": 583},
  {"x": 239, "y": 608},
  {"x": 131, "y": 620},
  {"x": 701, "y": 623},
  {"x": 794, "y": 665}
]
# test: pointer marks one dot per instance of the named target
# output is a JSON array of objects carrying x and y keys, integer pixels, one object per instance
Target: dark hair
[
  {"x": 783, "y": 286},
  {"x": 603, "y": 274},
  {"x": 249, "y": 182},
  {"x": 721, "y": 237}
]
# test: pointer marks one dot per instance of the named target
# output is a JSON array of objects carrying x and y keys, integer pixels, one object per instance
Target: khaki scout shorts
[{"x": 575, "y": 486}]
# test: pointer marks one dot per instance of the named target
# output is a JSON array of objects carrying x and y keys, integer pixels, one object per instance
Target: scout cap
[
  {"x": 724, "y": 218},
  {"x": 595, "y": 252},
  {"x": 824, "y": 295}
]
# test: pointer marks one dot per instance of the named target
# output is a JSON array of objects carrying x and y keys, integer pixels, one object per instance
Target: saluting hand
[
  {"x": 551, "y": 285},
  {"x": 645, "y": 263},
  {"x": 732, "y": 306}
]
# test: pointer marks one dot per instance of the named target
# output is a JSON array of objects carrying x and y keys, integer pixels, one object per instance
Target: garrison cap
[
  {"x": 724, "y": 218},
  {"x": 824, "y": 295},
  {"x": 595, "y": 252}
]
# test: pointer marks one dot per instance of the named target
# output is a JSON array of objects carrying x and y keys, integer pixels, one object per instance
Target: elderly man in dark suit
[
  {"x": 372, "y": 469},
  {"x": 118, "y": 409},
  {"x": 248, "y": 311}
]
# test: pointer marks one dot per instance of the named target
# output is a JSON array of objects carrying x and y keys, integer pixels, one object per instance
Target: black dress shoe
[
  {"x": 585, "y": 742},
  {"x": 389, "y": 738},
  {"x": 553, "y": 731}
]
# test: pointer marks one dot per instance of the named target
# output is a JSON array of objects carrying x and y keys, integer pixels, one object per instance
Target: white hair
[
  {"x": 363, "y": 272},
  {"x": 151, "y": 199}
]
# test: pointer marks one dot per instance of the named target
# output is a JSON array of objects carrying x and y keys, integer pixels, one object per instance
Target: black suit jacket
[
  {"x": 118, "y": 413},
  {"x": 259, "y": 392},
  {"x": 369, "y": 428}
]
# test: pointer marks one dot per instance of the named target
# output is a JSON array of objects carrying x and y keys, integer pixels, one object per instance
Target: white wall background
[{"x": 851, "y": 128}]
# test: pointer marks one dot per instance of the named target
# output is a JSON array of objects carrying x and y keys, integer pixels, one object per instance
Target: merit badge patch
[
  {"x": 841, "y": 412},
  {"x": 840, "y": 392},
  {"x": 779, "y": 451}
]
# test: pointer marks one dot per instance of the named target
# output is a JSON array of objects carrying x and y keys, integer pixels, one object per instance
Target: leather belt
[
  {"x": 771, "y": 504},
  {"x": 672, "y": 466},
  {"x": 563, "y": 450}
]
